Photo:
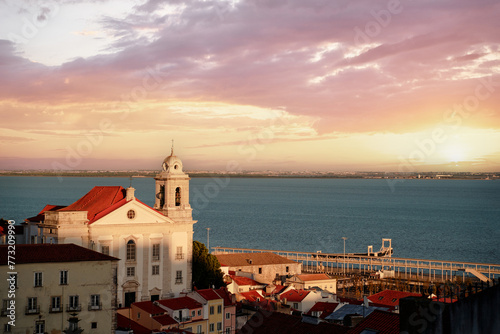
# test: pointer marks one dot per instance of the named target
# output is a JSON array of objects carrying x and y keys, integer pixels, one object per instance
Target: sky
[{"x": 284, "y": 85}]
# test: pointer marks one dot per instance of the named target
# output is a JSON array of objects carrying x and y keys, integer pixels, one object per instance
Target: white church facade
[{"x": 154, "y": 245}]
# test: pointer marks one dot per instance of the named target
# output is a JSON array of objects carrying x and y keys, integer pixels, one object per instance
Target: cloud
[{"x": 372, "y": 71}]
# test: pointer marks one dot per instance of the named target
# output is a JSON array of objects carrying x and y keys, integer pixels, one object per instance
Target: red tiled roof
[
  {"x": 149, "y": 307},
  {"x": 209, "y": 294},
  {"x": 226, "y": 295},
  {"x": 252, "y": 295},
  {"x": 325, "y": 309},
  {"x": 313, "y": 277},
  {"x": 385, "y": 322},
  {"x": 43, "y": 253},
  {"x": 251, "y": 259},
  {"x": 349, "y": 300},
  {"x": 447, "y": 300},
  {"x": 242, "y": 280},
  {"x": 264, "y": 322},
  {"x": 278, "y": 289},
  {"x": 165, "y": 320},
  {"x": 295, "y": 295},
  {"x": 98, "y": 200},
  {"x": 126, "y": 323},
  {"x": 391, "y": 297},
  {"x": 180, "y": 303},
  {"x": 40, "y": 217}
]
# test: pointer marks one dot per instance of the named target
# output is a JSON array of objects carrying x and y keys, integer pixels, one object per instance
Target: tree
[{"x": 206, "y": 268}]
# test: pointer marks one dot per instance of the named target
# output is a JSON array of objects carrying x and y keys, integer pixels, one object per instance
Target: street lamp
[
  {"x": 208, "y": 239},
  {"x": 344, "y": 253}
]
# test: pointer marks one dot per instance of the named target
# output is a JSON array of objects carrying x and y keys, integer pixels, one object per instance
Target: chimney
[{"x": 130, "y": 194}]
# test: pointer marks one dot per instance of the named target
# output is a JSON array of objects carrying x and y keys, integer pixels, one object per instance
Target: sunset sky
[{"x": 260, "y": 84}]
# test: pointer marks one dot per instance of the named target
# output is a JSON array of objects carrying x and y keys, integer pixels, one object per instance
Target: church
[{"x": 154, "y": 245}]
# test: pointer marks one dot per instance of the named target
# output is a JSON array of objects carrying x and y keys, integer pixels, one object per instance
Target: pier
[{"x": 403, "y": 268}]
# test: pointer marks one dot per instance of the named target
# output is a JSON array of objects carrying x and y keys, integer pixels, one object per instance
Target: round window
[{"x": 131, "y": 214}]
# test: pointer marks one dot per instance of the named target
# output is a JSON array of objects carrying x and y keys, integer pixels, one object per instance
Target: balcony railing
[
  {"x": 55, "y": 309},
  {"x": 178, "y": 281},
  {"x": 32, "y": 310},
  {"x": 73, "y": 308},
  {"x": 95, "y": 307},
  {"x": 179, "y": 256}
]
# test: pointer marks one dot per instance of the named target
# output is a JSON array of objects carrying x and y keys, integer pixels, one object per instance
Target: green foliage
[{"x": 206, "y": 268}]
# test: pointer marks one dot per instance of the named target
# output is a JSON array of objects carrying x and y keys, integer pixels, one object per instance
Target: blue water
[{"x": 455, "y": 220}]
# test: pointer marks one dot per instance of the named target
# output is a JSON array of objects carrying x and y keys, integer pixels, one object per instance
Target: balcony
[
  {"x": 32, "y": 310},
  {"x": 55, "y": 309},
  {"x": 95, "y": 307},
  {"x": 179, "y": 256},
  {"x": 178, "y": 281},
  {"x": 73, "y": 308}
]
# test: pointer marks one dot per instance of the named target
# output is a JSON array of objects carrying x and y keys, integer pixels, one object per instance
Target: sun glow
[{"x": 455, "y": 153}]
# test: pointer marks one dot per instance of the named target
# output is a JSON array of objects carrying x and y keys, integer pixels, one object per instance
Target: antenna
[{"x": 131, "y": 178}]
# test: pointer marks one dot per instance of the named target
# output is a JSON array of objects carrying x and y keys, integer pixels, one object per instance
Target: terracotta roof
[
  {"x": 149, "y": 307},
  {"x": 242, "y": 280},
  {"x": 265, "y": 322},
  {"x": 381, "y": 321},
  {"x": 313, "y": 277},
  {"x": 180, "y": 303},
  {"x": 325, "y": 309},
  {"x": 209, "y": 294},
  {"x": 391, "y": 297},
  {"x": 251, "y": 259},
  {"x": 42, "y": 253},
  {"x": 98, "y": 200},
  {"x": 40, "y": 217},
  {"x": 165, "y": 320},
  {"x": 226, "y": 295},
  {"x": 295, "y": 295},
  {"x": 123, "y": 322},
  {"x": 252, "y": 295}
]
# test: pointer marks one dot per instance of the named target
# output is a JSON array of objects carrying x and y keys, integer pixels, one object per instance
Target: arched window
[
  {"x": 131, "y": 250},
  {"x": 177, "y": 196}
]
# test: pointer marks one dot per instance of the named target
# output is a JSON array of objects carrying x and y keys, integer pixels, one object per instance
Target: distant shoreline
[{"x": 275, "y": 175}]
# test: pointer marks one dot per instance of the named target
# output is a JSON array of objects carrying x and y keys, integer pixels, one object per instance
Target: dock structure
[{"x": 404, "y": 268}]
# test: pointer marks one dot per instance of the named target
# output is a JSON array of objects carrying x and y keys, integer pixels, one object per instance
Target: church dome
[{"x": 172, "y": 164}]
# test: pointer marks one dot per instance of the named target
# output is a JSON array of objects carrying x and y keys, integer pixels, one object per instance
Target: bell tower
[{"x": 172, "y": 190}]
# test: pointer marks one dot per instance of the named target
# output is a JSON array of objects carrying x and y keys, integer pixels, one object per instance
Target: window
[
  {"x": 228, "y": 315},
  {"x": 55, "y": 304},
  {"x": 177, "y": 196},
  {"x": 32, "y": 305},
  {"x": 63, "y": 277},
  {"x": 219, "y": 309},
  {"x": 178, "y": 277},
  {"x": 74, "y": 303},
  {"x": 212, "y": 327},
  {"x": 38, "y": 279},
  {"x": 193, "y": 313},
  {"x": 212, "y": 310},
  {"x": 131, "y": 250},
  {"x": 105, "y": 250},
  {"x": 93, "y": 325},
  {"x": 260, "y": 270},
  {"x": 130, "y": 214},
  {"x": 296, "y": 306},
  {"x": 95, "y": 302},
  {"x": 8, "y": 328},
  {"x": 179, "y": 255},
  {"x": 156, "y": 252},
  {"x": 199, "y": 312},
  {"x": 130, "y": 271},
  {"x": 219, "y": 326},
  {"x": 228, "y": 330},
  {"x": 287, "y": 269},
  {"x": 198, "y": 329},
  {"x": 155, "y": 270},
  {"x": 40, "y": 327}
]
